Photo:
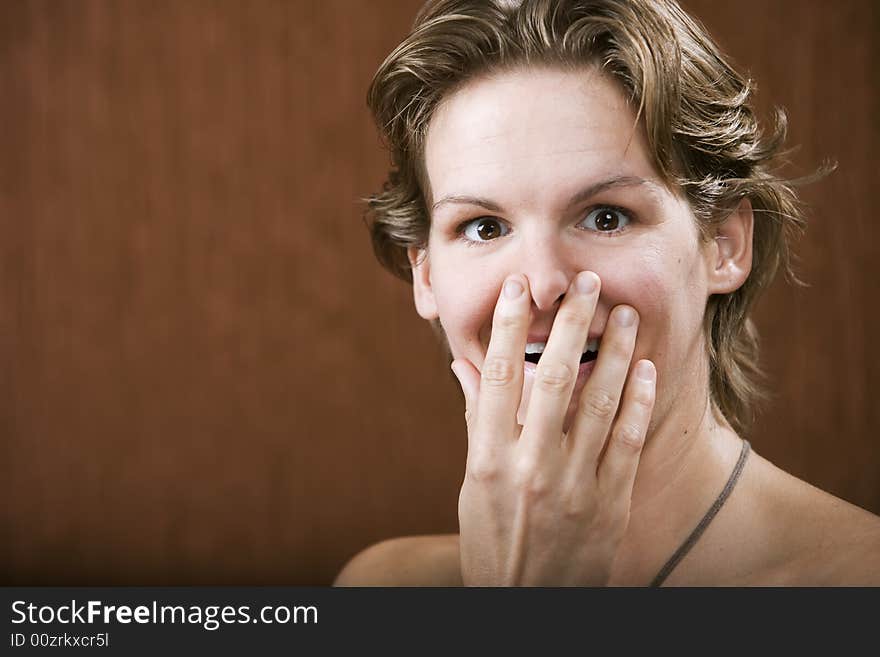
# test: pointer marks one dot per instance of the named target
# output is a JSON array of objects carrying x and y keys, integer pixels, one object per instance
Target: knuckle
[
  {"x": 554, "y": 376},
  {"x": 603, "y": 520},
  {"x": 599, "y": 404},
  {"x": 570, "y": 319},
  {"x": 506, "y": 323},
  {"x": 483, "y": 469},
  {"x": 575, "y": 504},
  {"x": 528, "y": 480},
  {"x": 498, "y": 371},
  {"x": 574, "y": 510},
  {"x": 611, "y": 522},
  {"x": 620, "y": 348},
  {"x": 628, "y": 436},
  {"x": 643, "y": 396}
]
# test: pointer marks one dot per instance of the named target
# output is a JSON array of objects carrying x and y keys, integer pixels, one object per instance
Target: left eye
[{"x": 606, "y": 220}]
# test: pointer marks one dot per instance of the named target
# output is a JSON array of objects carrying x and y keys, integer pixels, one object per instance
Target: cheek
[
  {"x": 465, "y": 303},
  {"x": 644, "y": 289},
  {"x": 666, "y": 295}
]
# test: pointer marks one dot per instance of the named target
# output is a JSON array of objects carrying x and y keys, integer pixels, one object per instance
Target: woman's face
[{"x": 541, "y": 172}]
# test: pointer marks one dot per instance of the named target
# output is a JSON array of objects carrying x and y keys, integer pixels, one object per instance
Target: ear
[
  {"x": 729, "y": 254},
  {"x": 423, "y": 292}
]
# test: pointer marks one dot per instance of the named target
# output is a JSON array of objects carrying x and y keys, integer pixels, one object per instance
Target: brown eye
[
  {"x": 606, "y": 220},
  {"x": 484, "y": 229},
  {"x": 488, "y": 229}
]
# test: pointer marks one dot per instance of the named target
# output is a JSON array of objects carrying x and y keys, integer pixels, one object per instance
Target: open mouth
[{"x": 535, "y": 349}]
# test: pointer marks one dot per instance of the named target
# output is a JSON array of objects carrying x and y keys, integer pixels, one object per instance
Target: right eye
[{"x": 483, "y": 229}]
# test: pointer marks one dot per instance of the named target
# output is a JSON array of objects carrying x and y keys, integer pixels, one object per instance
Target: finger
[
  {"x": 557, "y": 370},
  {"x": 600, "y": 396},
  {"x": 502, "y": 373},
  {"x": 617, "y": 472},
  {"x": 469, "y": 380}
]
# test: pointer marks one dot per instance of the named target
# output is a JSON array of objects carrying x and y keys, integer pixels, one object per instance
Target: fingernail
[
  {"x": 625, "y": 316},
  {"x": 645, "y": 370},
  {"x": 586, "y": 282},
  {"x": 513, "y": 288}
]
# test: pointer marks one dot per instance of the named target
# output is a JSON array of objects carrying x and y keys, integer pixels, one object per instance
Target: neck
[{"x": 687, "y": 458}]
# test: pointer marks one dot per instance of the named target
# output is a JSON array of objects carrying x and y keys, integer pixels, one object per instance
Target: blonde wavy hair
[{"x": 702, "y": 134}]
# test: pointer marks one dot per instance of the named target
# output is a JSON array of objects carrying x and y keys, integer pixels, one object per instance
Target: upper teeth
[{"x": 538, "y": 347}]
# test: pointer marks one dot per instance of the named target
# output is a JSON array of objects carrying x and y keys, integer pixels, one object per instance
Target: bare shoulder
[
  {"x": 430, "y": 560},
  {"x": 821, "y": 539}
]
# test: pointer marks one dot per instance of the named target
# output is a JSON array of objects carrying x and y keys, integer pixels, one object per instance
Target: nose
[{"x": 545, "y": 263}]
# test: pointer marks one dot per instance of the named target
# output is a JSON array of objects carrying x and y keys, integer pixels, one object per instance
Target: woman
[{"x": 584, "y": 204}]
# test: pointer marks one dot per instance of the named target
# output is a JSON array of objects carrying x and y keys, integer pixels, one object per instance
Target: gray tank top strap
[{"x": 680, "y": 553}]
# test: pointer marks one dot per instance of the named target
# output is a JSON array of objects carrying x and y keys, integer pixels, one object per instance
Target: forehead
[{"x": 533, "y": 131}]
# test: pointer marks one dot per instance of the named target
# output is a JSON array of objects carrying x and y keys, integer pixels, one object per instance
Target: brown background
[{"x": 205, "y": 377}]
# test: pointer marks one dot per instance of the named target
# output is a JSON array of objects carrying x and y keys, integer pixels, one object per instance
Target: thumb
[{"x": 469, "y": 380}]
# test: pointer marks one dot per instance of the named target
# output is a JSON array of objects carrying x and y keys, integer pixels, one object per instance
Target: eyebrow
[{"x": 583, "y": 195}]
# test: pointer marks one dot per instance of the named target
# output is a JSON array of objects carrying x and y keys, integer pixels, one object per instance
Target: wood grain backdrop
[{"x": 205, "y": 377}]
